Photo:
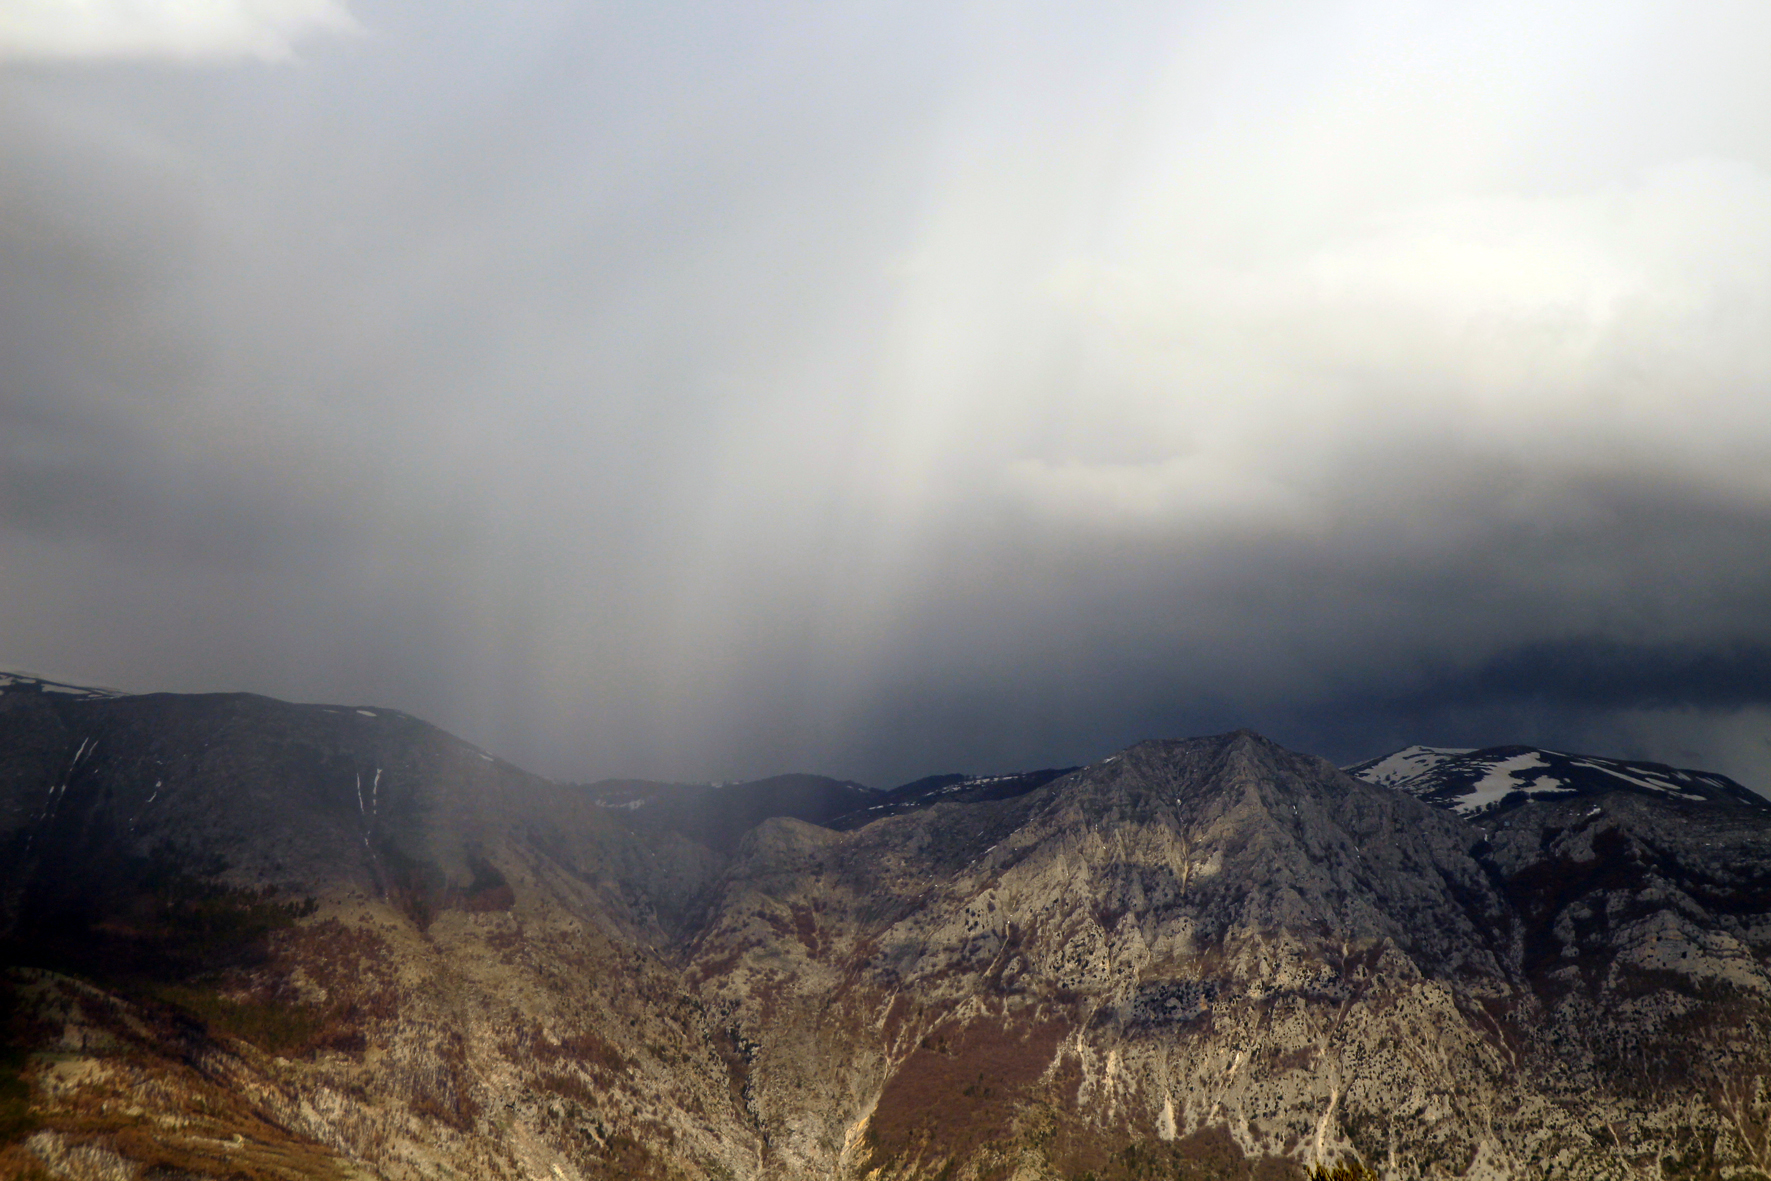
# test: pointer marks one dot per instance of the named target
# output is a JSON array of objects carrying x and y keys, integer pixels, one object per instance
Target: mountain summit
[
  {"x": 254, "y": 939},
  {"x": 1501, "y": 777}
]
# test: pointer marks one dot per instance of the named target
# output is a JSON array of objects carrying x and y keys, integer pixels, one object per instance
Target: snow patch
[
  {"x": 1501, "y": 781},
  {"x": 1395, "y": 769}
]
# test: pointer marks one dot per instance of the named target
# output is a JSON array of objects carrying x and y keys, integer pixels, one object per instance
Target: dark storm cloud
[
  {"x": 1608, "y": 674},
  {"x": 692, "y": 392},
  {"x": 1563, "y": 614}
]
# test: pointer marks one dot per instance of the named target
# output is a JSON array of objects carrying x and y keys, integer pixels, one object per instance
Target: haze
[{"x": 707, "y": 391}]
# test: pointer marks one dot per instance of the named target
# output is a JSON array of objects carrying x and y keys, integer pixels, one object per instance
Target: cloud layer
[
  {"x": 179, "y": 30},
  {"x": 708, "y": 393}
]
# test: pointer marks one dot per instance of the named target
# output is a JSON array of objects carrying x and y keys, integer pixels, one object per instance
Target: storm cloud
[{"x": 702, "y": 391}]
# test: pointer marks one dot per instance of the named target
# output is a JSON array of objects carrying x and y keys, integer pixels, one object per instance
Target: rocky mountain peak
[{"x": 1264, "y": 807}]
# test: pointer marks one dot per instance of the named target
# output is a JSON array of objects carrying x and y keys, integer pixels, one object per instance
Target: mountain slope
[
  {"x": 383, "y": 945},
  {"x": 1170, "y": 942}
]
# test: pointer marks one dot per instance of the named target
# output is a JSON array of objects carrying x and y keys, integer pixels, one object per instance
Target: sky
[{"x": 704, "y": 391}]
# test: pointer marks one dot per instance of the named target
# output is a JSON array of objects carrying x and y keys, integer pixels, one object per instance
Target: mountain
[
  {"x": 1503, "y": 777},
  {"x": 1640, "y": 902},
  {"x": 944, "y": 789},
  {"x": 718, "y": 815},
  {"x": 26, "y": 683},
  {"x": 262, "y": 940}
]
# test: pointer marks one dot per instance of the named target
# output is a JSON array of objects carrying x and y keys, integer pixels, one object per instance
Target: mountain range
[{"x": 251, "y": 939}]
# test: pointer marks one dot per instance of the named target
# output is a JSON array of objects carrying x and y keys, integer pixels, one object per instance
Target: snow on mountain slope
[
  {"x": 1497, "y": 777},
  {"x": 1405, "y": 765}
]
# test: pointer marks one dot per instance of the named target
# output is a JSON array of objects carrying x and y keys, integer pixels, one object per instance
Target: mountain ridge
[{"x": 1207, "y": 957}]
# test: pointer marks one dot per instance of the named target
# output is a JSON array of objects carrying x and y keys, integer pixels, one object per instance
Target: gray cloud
[{"x": 667, "y": 391}]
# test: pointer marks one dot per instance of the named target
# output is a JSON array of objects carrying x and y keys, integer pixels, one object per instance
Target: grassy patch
[
  {"x": 16, "y": 1120},
  {"x": 1345, "y": 1169},
  {"x": 1207, "y": 1155},
  {"x": 18, "y": 1164},
  {"x": 155, "y": 919},
  {"x": 568, "y": 1086},
  {"x": 955, "y": 1092},
  {"x": 283, "y": 1028}
]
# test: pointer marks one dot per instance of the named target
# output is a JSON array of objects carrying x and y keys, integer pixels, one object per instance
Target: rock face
[{"x": 1203, "y": 958}]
